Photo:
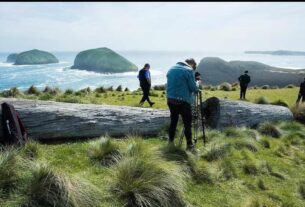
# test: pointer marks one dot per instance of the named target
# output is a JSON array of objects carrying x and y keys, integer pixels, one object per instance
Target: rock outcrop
[
  {"x": 102, "y": 60},
  {"x": 35, "y": 57},
  {"x": 216, "y": 71},
  {"x": 11, "y": 58}
]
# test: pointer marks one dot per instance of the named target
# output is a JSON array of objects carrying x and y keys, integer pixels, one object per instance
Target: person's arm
[
  {"x": 191, "y": 82},
  {"x": 147, "y": 76}
]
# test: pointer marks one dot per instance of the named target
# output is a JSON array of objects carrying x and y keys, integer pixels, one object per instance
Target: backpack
[{"x": 14, "y": 131}]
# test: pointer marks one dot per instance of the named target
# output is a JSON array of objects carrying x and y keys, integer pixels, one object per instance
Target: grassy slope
[
  {"x": 289, "y": 95},
  {"x": 283, "y": 157}
]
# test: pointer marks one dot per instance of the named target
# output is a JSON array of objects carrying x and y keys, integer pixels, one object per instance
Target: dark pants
[
  {"x": 145, "y": 89},
  {"x": 243, "y": 90},
  {"x": 301, "y": 96},
  {"x": 183, "y": 109}
]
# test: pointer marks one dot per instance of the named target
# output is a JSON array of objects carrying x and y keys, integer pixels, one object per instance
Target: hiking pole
[{"x": 202, "y": 120}]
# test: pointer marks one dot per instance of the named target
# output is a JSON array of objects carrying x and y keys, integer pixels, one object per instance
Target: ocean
[{"x": 60, "y": 75}]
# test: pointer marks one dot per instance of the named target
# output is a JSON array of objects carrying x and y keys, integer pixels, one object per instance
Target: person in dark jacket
[
  {"x": 181, "y": 86},
  {"x": 145, "y": 84},
  {"x": 301, "y": 94},
  {"x": 244, "y": 80}
]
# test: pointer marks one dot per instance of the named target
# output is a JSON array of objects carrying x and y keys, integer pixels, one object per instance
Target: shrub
[
  {"x": 104, "y": 152},
  {"x": 261, "y": 100},
  {"x": 299, "y": 112},
  {"x": 265, "y": 87},
  {"x": 280, "y": 103},
  {"x": 85, "y": 91},
  {"x": 126, "y": 89},
  {"x": 50, "y": 188},
  {"x": 33, "y": 90},
  {"x": 269, "y": 129},
  {"x": 225, "y": 86},
  {"x": 110, "y": 88},
  {"x": 12, "y": 92},
  {"x": 8, "y": 170},
  {"x": 68, "y": 92},
  {"x": 141, "y": 182},
  {"x": 290, "y": 86},
  {"x": 159, "y": 87},
  {"x": 100, "y": 90},
  {"x": 52, "y": 91},
  {"x": 119, "y": 88}
]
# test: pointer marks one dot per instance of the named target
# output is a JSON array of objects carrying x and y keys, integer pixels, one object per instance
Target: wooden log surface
[
  {"x": 55, "y": 120},
  {"x": 51, "y": 120}
]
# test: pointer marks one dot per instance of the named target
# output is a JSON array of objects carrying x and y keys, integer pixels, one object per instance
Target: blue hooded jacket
[{"x": 181, "y": 83}]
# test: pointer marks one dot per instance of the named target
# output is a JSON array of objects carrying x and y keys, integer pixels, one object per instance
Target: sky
[{"x": 170, "y": 26}]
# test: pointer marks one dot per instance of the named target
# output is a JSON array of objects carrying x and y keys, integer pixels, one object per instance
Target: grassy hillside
[
  {"x": 215, "y": 71},
  {"x": 238, "y": 167}
]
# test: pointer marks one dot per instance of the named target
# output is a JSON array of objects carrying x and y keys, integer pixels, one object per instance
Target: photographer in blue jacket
[{"x": 181, "y": 86}]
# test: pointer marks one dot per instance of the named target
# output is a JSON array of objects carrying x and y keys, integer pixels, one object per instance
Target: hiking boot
[{"x": 151, "y": 104}]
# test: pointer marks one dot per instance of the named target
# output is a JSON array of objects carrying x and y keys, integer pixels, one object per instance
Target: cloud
[{"x": 233, "y": 26}]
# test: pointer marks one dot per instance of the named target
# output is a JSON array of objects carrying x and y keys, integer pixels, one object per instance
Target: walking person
[
  {"x": 145, "y": 84},
  {"x": 244, "y": 80},
  {"x": 180, "y": 88},
  {"x": 301, "y": 94}
]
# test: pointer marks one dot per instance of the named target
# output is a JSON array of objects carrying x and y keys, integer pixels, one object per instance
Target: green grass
[
  {"x": 238, "y": 169},
  {"x": 106, "y": 96}
]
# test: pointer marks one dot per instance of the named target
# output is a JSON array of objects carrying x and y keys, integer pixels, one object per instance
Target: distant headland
[{"x": 278, "y": 52}]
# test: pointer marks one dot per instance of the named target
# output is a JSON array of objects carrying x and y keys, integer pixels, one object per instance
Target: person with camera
[
  {"x": 145, "y": 84},
  {"x": 181, "y": 86}
]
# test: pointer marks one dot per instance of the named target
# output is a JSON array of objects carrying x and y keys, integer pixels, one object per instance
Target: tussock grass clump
[
  {"x": 251, "y": 165},
  {"x": 110, "y": 88},
  {"x": 244, "y": 143},
  {"x": 12, "y": 92},
  {"x": 159, "y": 87},
  {"x": 292, "y": 126},
  {"x": 225, "y": 86},
  {"x": 174, "y": 153},
  {"x": 126, "y": 89},
  {"x": 233, "y": 132},
  {"x": 85, "y": 91},
  {"x": 299, "y": 112},
  {"x": 141, "y": 182},
  {"x": 68, "y": 92},
  {"x": 290, "y": 86},
  {"x": 33, "y": 90},
  {"x": 31, "y": 149},
  {"x": 302, "y": 189},
  {"x": 9, "y": 172},
  {"x": 227, "y": 169},
  {"x": 49, "y": 188},
  {"x": 104, "y": 151},
  {"x": 119, "y": 88},
  {"x": 253, "y": 202},
  {"x": 265, "y": 143},
  {"x": 282, "y": 150},
  {"x": 100, "y": 90},
  {"x": 51, "y": 91},
  {"x": 261, "y": 100},
  {"x": 269, "y": 129},
  {"x": 280, "y": 103},
  {"x": 216, "y": 152},
  {"x": 199, "y": 170},
  {"x": 261, "y": 184}
]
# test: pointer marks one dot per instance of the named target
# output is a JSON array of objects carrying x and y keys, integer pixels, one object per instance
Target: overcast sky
[{"x": 183, "y": 26}]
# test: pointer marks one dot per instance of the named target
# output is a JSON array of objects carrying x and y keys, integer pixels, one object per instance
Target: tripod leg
[{"x": 181, "y": 137}]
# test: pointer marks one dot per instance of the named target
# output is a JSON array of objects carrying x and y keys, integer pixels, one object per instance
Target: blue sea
[{"x": 60, "y": 75}]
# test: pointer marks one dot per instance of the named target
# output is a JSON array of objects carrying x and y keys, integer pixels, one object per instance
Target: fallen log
[
  {"x": 55, "y": 120},
  {"x": 225, "y": 113}
]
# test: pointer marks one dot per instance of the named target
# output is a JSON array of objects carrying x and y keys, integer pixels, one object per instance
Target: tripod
[{"x": 197, "y": 116}]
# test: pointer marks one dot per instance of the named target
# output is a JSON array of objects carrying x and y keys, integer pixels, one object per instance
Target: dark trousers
[
  {"x": 183, "y": 109},
  {"x": 243, "y": 90},
  {"x": 301, "y": 96},
  {"x": 145, "y": 89}
]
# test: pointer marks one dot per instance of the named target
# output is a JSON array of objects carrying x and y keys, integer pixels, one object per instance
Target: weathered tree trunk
[
  {"x": 224, "y": 113},
  {"x": 54, "y": 120}
]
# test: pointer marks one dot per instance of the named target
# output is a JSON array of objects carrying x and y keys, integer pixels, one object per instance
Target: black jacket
[{"x": 244, "y": 80}]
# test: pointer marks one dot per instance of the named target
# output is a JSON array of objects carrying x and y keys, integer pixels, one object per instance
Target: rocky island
[
  {"x": 103, "y": 60},
  {"x": 35, "y": 57},
  {"x": 11, "y": 58}
]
